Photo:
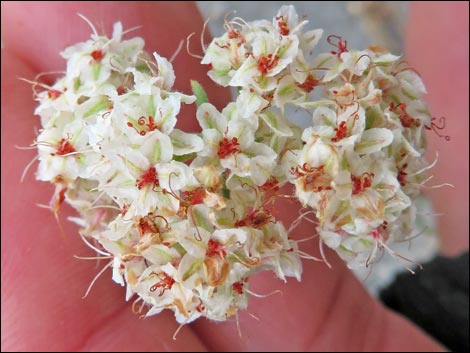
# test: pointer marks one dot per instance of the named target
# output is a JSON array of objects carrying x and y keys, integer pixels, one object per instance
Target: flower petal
[{"x": 373, "y": 140}]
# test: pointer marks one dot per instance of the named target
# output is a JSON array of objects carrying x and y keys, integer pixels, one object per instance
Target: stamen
[
  {"x": 203, "y": 46},
  {"x": 96, "y": 278},
  {"x": 149, "y": 177},
  {"x": 267, "y": 62},
  {"x": 340, "y": 44},
  {"x": 26, "y": 169},
  {"x": 228, "y": 147},
  {"x": 177, "y": 51},
  {"x": 309, "y": 84},
  {"x": 322, "y": 253},
  {"x": 277, "y": 291},
  {"x": 434, "y": 127},
  {"x": 189, "y": 51}
]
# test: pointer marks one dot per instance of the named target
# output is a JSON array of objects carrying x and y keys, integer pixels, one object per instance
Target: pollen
[
  {"x": 401, "y": 177},
  {"x": 267, "y": 62},
  {"x": 214, "y": 248},
  {"x": 361, "y": 183},
  {"x": 64, "y": 147},
  {"x": 148, "y": 125},
  {"x": 309, "y": 84},
  {"x": 238, "y": 287},
  {"x": 150, "y": 177},
  {"x": 341, "y": 132},
  {"x": 165, "y": 283},
  {"x": 53, "y": 94},
  {"x": 228, "y": 147},
  {"x": 97, "y": 55},
  {"x": 282, "y": 24},
  {"x": 312, "y": 178}
]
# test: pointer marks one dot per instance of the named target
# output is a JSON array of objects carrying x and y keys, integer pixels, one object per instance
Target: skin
[
  {"x": 437, "y": 45},
  {"x": 42, "y": 308}
]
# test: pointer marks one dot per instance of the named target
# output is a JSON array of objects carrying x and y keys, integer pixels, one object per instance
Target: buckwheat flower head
[
  {"x": 362, "y": 162},
  {"x": 254, "y": 56},
  {"x": 185, "y": 219}
]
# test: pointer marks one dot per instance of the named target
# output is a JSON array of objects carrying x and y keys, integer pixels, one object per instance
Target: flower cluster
[
  {"x": 185, "y": 219},
  {"x": 266, "y": 60},
  {"x": 362, "y": 162}
]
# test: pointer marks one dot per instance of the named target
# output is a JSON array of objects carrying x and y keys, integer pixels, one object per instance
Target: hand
[
  {"x": 437, "y": 45},
  {"x": 42, "y": 307}
]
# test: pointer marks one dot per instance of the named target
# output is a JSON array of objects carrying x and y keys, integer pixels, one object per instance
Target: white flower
[
  {"x": 230, "y": 140},
  {"x": 260, "y": 53},
  {"x": 186, "y": 218}
]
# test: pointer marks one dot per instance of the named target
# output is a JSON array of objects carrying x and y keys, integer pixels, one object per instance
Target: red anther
[
  {"x": 340, "y": 44},
  {"x": 148, "y": 224},
  {"x": 145, "y": 226},
  {"x": 228, "y": 147},
  {"x": 341, "y": 132},
  {"x": 362, "y": 182},
  {"x": 401, "y": 177},
  {"x": 121, "y": 90},
  {"x": 191, "y": 198},
  {"x": 215, "y": 248},
  {"x": 240, "y": 223},
  {"x": 194, "y": 197},
  {"x": 124, "y": 209},
  {"x": 166, "y": 282},
  {"x": 384, "y": 225},
  {"x": 97, "y": 55},
  {"x": 238, "y": 287},
  {"x": 63, "y": 147},
  {"x": 309, "y": 84},
  {"x": 268, "y": 96},
  {"x": 272, "y": 185},
  {"x": 312, "y": 178},
  {"x": 233, "y": 34},
  {"x": 150, "y": 177},
  {"x": 200, "y": 308},
  {"x": 406, "y": 120},
  {"x": 266, "y": 63},
  {"x": 149, "y": 125},
  {"x": 53, "y": 94},
  {"x": 283, "y": 28},
  {"x": 255, "y": 218},
  {"x": 375, "y": 234},
  {"x": 357, "y": 185}
]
